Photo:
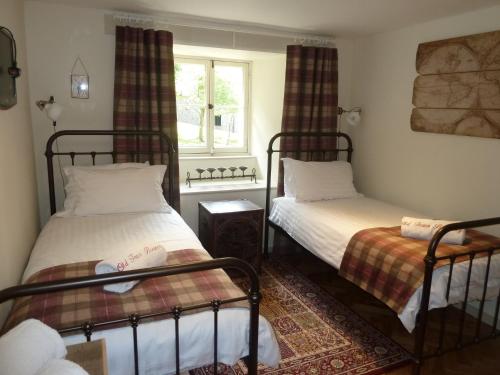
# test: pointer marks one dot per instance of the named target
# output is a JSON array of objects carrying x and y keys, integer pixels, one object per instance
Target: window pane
[
  {"x": 191, "y": 93},
  {"x": 229, "y": 106}
]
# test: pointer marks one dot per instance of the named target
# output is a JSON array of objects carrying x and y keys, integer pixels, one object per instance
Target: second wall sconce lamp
[{"x": 352, "y": 116}]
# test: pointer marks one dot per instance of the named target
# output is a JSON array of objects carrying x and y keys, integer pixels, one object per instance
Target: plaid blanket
[
  {"x": 391, "y": 267},
  {"x": 76, "y": 306}
]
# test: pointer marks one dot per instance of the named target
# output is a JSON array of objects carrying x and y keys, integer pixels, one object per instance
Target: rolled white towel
[
  {"x": 424, "y": 229},
  {"x": 61, "y": 367},
  {"x": 149, "y": 256},
  {"x": 28, "y": 347}
]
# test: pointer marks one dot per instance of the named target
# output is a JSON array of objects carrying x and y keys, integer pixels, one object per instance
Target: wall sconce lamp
[
  {"x": 353, "y": 115},
  {"x": 52, "y": 109}
]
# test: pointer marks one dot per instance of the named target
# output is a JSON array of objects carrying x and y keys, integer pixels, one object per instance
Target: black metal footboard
[
  {"x": 176, "y": 312},
  {"x": 478, "y": 333}
]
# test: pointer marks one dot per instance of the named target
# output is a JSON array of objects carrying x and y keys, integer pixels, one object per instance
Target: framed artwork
[
  {"x": 457, "y": 90},
  {"x": 79, "y": 86}
]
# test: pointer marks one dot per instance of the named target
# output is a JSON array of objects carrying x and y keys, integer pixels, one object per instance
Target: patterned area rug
[{"x": 315, "y": 332}]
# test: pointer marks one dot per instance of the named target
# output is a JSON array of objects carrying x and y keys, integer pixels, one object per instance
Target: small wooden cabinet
[{"x": 232, "y": 228}]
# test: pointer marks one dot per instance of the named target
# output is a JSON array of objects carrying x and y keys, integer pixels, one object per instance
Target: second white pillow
[{"x": 314, "y": 181}]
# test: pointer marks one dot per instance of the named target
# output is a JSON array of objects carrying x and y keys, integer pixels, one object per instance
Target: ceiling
[{"x": 345, "y": 18}]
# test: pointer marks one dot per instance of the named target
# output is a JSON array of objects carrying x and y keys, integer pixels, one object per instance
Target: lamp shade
[
  {"x": 353, "y": 118},
  {"x": 53, "y": 111}
]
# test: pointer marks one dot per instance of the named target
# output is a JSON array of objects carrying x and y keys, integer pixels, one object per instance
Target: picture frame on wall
[
  {"x": 79, "y": 86},
  {"x": 457, "y": 87}
]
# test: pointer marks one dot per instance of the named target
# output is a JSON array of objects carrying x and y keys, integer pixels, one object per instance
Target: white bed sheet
[
  {"x": 77, "y": 239},
  {"x": 325, "y": 228}
]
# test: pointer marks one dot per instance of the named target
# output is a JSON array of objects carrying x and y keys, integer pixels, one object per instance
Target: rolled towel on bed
[
  {"x": 149, "y": 256},
  {"x": 424, "y": 229},
  {"x": 62, "y": 367},
  {"x": 28, "y": 347}
]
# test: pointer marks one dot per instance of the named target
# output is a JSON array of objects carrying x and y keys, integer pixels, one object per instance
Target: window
[{"x": 212, "y": 106}]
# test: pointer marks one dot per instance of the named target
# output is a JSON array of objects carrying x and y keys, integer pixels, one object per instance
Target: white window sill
[
  {"x": 214, "y": 157},
  {"x": 197, "y": 188}
]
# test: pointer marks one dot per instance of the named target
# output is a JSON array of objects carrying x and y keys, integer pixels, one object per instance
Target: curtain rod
[{"x": 173, "y": 19}]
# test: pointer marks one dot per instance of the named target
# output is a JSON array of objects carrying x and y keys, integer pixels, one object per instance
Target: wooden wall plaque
[{"x": 458, "y": 87}]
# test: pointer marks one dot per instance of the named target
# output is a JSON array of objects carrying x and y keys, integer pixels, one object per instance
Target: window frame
[{"x": 210, "y": 63}]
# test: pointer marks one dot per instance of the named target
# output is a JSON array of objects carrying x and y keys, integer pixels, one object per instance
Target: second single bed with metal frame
[{"x": 319, "y": 153}]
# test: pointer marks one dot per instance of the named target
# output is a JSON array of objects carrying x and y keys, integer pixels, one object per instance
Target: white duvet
[
  {"x": 325, "y": 228},
  {"x": 76, "y": 239}
]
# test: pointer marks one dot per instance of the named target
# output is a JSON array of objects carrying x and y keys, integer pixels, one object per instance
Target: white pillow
[
  {"x": 28, "y": 347},
  {"x": 127, "y": 190},
  {"x": 71, "y": 187},
  {"x": 314, "y": 181}
]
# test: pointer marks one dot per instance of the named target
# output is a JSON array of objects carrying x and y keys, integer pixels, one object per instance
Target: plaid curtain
[
  {"x": 144, "y": 97},
  {"x": 310, "y": 103}
]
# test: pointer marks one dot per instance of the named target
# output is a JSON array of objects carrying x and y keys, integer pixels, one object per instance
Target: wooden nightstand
[
  {"x": 232, "y": 229},
  {"x": 90, "y": 355}
]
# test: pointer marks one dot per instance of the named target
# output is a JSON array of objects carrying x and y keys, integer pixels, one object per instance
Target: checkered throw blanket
[
  {"x": 73, "y": 307},
  {"x": 391, "y": 267}
]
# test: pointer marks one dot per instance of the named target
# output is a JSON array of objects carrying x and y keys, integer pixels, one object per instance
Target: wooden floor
[{"x": 481, "y": 359}]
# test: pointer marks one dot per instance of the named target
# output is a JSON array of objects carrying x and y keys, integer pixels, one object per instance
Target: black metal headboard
[
  {"x": 165, "y": 153},
  {"x": 320, "y": 153}
]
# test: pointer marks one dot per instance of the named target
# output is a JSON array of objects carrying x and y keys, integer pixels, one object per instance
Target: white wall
[
  {"x": 268, "y": 86},
  {"x": 446, "y": 176},
  {"x": 345, "y": 52},
  {"x": 18, "y": 213},
  {"x": 57, "y": 34}
]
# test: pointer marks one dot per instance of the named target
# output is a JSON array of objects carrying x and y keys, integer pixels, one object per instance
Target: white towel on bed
[
  {"x": 147, "y": 257},
  {"x": 28, "y": 347},
  {"x": 62, "y": 367},
  {"x": 424, "y": 229}
]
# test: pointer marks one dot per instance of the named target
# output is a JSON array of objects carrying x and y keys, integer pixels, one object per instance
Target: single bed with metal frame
[
  {"x": 418, "y": 355},
  {"x": 166, "y": 154}
]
